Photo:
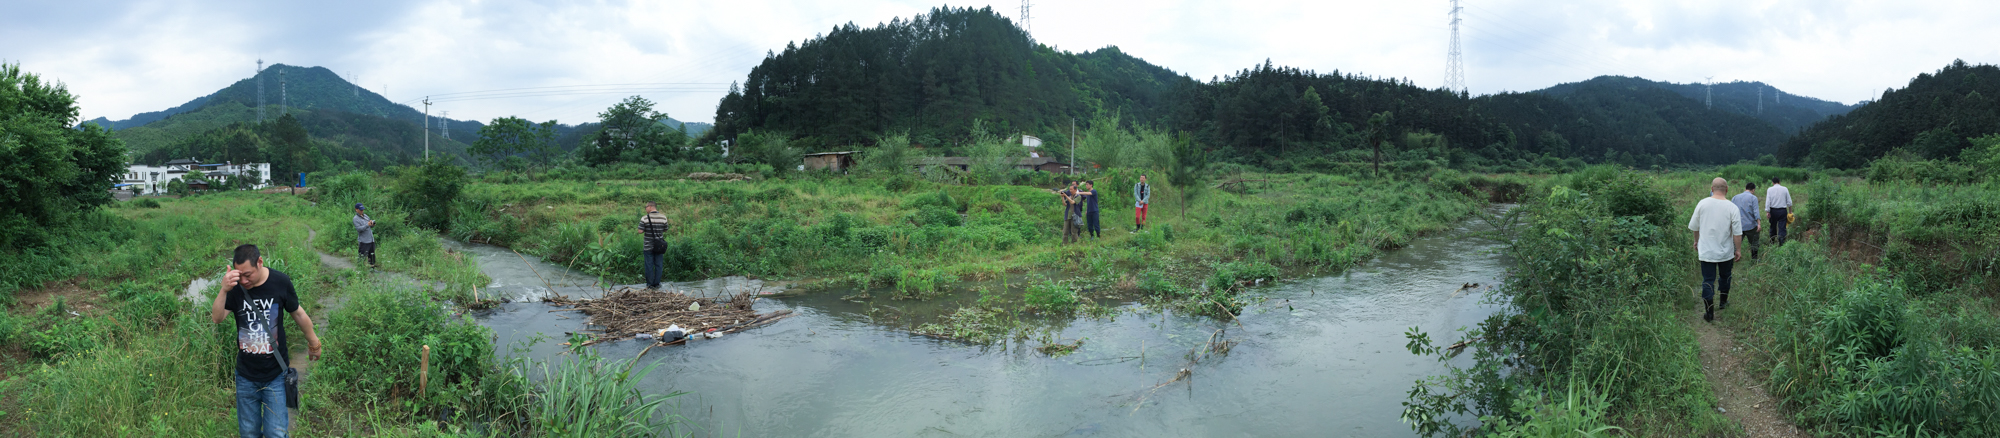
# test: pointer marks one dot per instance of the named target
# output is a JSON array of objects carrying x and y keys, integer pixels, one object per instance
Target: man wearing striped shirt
[{"x": 654, "y": 227}]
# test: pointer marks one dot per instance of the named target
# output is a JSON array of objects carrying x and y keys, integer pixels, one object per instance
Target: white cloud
[{"x": 129, "y": 57}]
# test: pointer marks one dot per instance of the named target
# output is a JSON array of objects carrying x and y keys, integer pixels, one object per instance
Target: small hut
[{"x": 831, "y": 161}]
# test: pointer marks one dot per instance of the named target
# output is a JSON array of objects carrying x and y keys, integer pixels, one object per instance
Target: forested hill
[
  {"x": 931, "y": 76},
  {"x": 304, "y": 88},
  {"x": 1788, "y": 112},
  {"x": 1932, "y": 117},
  {"x": 934, "y": 74}
]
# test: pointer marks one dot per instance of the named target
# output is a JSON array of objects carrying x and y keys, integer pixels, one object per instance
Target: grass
[
  {"x": 135, "y": 359},
  {"x": 1883, "y": 319}
]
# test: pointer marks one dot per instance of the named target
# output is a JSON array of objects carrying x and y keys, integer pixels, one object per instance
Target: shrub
[
  {"x": 930, "y": 215},
  {"x": 428, "y": 192},
  {"x": 146, "y": 203},
  {"x": 1051, "y": 296},
  {"x": 9, "y": 326},
  {"x": 67, "y": 337},
  {"x": 374, "y": 349}
]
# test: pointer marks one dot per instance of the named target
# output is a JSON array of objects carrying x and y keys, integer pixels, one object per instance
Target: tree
[
  {"x": 1189, "y": 170},
  {"x": 771, "y": 149},
  {"x": 632, "y": 132},
  {"x": 993, "y": 158},
  {"x": 1378, "y": 133},
  {"x": 514, "y": 143},
  {"x": 429, "y": 192},
  {"x": 50, "y": 169}
]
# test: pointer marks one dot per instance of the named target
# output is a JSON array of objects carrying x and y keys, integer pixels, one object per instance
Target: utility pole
[
  {"x": 1454, "y": 64},
  {"x": 1072, "y": 145},
  {"x": 1710, "y": 100},
  {"x": 260, "y": 90},
  {"x": 427, "y": 127}
]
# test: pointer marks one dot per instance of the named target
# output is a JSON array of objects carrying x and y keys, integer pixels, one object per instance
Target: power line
[{"x": 1454, "y": 64}]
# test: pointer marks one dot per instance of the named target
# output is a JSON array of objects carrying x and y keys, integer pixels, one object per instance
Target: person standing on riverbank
[
  {"x": 1144, "y": 194},
  {"x": 653, "y": 227},
  {"x": 1069, "y": 219},
  {"x": 364, "y": 229},
  {"x": 1779, "y": 200},
  {"x": 1718, "y": 242},
  {"x": 1746, "y": 203},
  {"x": 1090, "y": 208},
  {"x": 257, "y": 295}
]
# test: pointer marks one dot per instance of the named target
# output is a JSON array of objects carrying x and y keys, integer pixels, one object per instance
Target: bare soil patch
[
  {"x": 83, "y": 300},
  {"x": 1741, "y": 397}
]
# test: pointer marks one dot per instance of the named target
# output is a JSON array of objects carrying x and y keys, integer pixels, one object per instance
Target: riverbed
[{"x": 1313, "y": 357}]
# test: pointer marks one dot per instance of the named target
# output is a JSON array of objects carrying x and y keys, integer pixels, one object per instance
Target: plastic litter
[
  {"x": 643, "y": 336},
  {"x": 713, "y": 335},
  {"x": 673, "y": 332},
  {"x": 694, "y": 307}
]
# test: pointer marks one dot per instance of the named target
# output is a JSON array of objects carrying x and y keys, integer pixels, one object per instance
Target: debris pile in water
[{"x": 628, "y": 312}]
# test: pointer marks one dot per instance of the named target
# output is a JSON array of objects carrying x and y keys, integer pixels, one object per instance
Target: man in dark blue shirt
[
  {"x": 257, "y": 295},
  {"x": 1090, "y": 205}
]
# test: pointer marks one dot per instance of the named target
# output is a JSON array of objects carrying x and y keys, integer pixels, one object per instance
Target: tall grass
[{"x": 1595, "y": 312}]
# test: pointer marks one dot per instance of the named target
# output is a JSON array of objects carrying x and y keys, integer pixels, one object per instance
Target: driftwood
[{"x": 627, "y": 312}]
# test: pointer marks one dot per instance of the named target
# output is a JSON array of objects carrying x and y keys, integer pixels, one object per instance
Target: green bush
[
  {"x": 375, "y": 347},
  {"x": 1051, "y": 296},
  {"x": 930, "y": 215},
  {"x": 67, "y": 337},
  {"x": 9, "y": 326},
  {"x": 429, "y": 191},
  {"x": 1740, "y": 173}
]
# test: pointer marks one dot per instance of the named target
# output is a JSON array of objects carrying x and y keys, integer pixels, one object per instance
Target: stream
[{"x": 1319, "y": 356}]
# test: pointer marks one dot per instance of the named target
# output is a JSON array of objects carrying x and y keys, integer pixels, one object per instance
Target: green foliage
[
  {"x": 375, "y": 348},
  {"x": 769, "y": 149},
  {"x": 514, "y": 143},
  {"x": 1897, "y": 167},
  {"x": 1623, "y": 193},
  {"x": 1051, "y": 296},
  {"x": 1864, "y": 355},
  {"x": 1590, "y": 298},
  {"x": 51, "y": 169},
  {"x": 1741, "y": 173},
  {"x": 1931, "y": 117},
  {"x": 993, "y": 158},
  {"x": 587, "y": 395},
  {"x": 429, "y": 191},
  {"x": 891, "y": 155},
  {"x": 632, "y": 132}
]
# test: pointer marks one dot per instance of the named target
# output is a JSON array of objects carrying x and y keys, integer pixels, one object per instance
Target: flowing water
[{"x": 1315, "y": 357}]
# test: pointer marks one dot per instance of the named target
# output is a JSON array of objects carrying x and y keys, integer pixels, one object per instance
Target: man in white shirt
[
  {"x": 1718, "y": 242},
  {"x": 1779, "y": 200}
]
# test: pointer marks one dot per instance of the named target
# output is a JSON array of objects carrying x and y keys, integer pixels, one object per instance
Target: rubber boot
[
  {"x": 1725, "y": 302},
  {"x": 1709, "y": 314}
]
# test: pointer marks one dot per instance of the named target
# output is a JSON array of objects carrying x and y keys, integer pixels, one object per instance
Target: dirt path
[{"x": 1740, "y": 396}]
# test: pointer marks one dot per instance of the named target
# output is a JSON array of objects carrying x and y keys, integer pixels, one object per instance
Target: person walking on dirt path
[
  {"x": 1143, "y": 193},
  {"x": 1746, "y": 203},
  {"x": 1779, "y": 200},
  {"x": 1718, "y": 242},
  {"x": 364, "y": 228},
  {"x": 653, "y": 226},
  {"x": 257, "y": 295},
  {"x": 1090, "y": 208}
]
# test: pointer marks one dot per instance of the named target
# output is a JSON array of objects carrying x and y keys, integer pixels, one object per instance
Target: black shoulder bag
[
  {"x": 291, "y": 375},
  {"x": 658, "y": 244}
]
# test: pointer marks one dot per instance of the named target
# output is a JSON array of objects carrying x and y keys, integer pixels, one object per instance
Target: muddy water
[{"x": 1316, "y": 357}]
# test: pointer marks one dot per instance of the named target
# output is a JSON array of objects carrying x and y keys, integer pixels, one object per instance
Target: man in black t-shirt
[{"x": 257, "y": 296}]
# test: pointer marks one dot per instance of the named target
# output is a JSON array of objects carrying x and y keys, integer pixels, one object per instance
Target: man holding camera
[
  {"x": 364, "y": 228},
  {"x": 257, "y": 295}
]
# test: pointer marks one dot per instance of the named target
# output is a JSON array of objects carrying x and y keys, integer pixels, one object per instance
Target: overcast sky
[{"x": 126, "y": 57}]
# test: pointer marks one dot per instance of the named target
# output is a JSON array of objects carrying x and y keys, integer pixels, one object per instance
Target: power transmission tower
[
  {"x": 282, "y": 108},
  {"x": 1024, "y": 18},
  {"x": 427, "y": 127},
  {"x": 1760, "y": 100},
  {"x": 1454, "y": 64},
  {"x": 260, "y": 90},
  {"x": 356, "y": 82},
  {"x": 445, "y": 124},
  {"x": 1710, "y": 100}
]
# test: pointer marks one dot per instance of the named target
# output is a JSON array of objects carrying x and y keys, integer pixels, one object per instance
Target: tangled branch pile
[{"x": 628, "y": 312}]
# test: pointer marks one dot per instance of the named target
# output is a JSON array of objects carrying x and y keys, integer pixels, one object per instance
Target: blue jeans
[
  {"x": 260, "y": 408},
  {"x": 653, "y": 262}
]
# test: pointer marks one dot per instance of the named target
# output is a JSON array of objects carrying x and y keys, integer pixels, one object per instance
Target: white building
[{"x": 154, "y": 179}]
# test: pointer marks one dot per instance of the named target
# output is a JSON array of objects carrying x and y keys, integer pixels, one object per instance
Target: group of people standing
[
  {"x": 1722, "y": 223},
  {"x": 1080, "y": 213}
]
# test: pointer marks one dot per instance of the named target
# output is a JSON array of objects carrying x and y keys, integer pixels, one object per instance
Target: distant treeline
[
  {"x": 1934, "y": 117},
  {"x": 934, "y": 75}
]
